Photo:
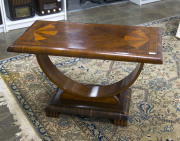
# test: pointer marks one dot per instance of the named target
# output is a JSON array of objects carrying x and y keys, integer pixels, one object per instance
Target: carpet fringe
[
  {"x": 2, "y": 99},
  {"x": 27, "y": 132}
]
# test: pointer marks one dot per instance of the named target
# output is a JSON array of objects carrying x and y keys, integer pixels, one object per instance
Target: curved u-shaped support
[{"x": 78, "y": 89}]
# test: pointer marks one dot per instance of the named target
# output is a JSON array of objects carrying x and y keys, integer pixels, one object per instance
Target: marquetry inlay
[
  {"x": 111, "y": 42},
  {"x": 46, "y": 30},
  {"x": 136, "y": 39}
]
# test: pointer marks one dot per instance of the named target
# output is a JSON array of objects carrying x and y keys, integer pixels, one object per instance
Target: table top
[{"x": 98, "y": 41}]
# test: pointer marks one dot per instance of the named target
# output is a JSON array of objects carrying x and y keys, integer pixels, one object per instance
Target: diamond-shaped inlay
[
  {"x": 44, "y": 30},
  {"x": 136, "y": 38}
]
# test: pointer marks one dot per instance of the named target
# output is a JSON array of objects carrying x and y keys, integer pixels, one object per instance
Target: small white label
[
  {"x": 42, "y": 12},
  {"x": 152, "y": 53},
  {"x": 54, "y": 10},
  {"x": 48, "y": 11}
]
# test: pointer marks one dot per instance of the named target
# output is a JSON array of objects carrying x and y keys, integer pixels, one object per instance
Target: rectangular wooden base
[{"x": 117, "y": 112}]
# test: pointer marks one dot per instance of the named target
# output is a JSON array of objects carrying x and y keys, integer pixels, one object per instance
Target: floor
[
  {"x": 75, "y": 5},
  {"x": 120, "y": 14}
]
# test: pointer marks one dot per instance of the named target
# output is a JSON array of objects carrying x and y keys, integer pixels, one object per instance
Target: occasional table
[{"x": 95, "y": 41}]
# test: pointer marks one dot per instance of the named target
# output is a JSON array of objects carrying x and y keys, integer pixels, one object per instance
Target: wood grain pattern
[
  {"x": 118, "y": 112},
  {"x": 109, "y": 100},
  {"x": 88, "y": 91},
  {"x": 111, "y": 42}
]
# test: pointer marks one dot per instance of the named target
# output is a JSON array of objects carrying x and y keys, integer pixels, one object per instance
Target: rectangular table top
[{"x": 99, "y": 41}]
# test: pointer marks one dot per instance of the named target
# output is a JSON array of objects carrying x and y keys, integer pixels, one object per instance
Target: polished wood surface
[
  {"x": 117, "y": 112},
  {"x": 78, "y": 89},
  {"x": 111, "y": 42},
  {"x": 86, "y": 99}
]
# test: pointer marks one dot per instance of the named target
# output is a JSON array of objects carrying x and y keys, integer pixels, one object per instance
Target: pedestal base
[
  {"x": 111, "y": 101},
  {"x": 118, "y": 112}
]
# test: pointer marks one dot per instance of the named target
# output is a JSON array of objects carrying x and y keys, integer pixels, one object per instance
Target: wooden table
[{"x": 111, "y": 42}]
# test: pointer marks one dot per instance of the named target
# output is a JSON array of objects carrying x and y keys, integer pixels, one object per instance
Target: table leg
[{"x": 110, "y": 101}]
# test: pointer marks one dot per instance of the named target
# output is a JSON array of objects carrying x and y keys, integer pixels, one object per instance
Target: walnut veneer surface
[{"x": 111, "y": 42}]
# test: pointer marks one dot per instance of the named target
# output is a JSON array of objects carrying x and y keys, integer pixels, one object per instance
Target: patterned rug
[{"x": 155, "y": 104}]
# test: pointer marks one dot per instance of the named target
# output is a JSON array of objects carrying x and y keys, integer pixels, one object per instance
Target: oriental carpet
[{"x": 155, "y": 104}]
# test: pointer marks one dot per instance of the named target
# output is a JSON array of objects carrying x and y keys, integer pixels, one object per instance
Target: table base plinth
[{"x": 117, "y": 112}]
